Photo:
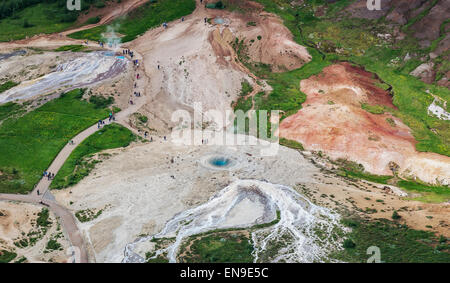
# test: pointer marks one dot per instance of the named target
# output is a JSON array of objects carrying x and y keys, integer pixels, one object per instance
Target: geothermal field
[{"x": 123, "y": 137}]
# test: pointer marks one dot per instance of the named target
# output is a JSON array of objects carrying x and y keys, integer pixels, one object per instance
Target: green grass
[
  {"x": 374, "y": 109},
  {"x": 77, "y": 166},
  {"x": 100, "y": 101},
  {"x": 380, "y": 179},
  {"x": 42, "y": 219},
  {"x": 138, "y": 21},
  {"x": 53, "y": 245},
  {"x": 7, "y": 85},
  {"x": 38, "y": 16},
  {"x": 246, "y": 88},
  {"x": 31, "y": 142},
  {"x": 429, "y": 193},
  {"x": 8, "y": 109},
  {"x": 291, "y": 144},
  {"x": 352, "y": 169},
  {"x": 73, "y": 48},
  {"x": 7, "y": 256},
  {"x": 220, "y": 248},
  {"x": 87, "y": 215},
  {"x": 92, "y": 20},
  {"x": 397, "y": 243}
]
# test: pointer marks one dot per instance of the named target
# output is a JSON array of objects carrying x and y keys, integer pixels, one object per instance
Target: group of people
[
  {"x": 50, "y": 176},
  {"x": 100, "y": 123},
  {"x": 111, "y": 116},
  {"x": 128, "y": 52}
]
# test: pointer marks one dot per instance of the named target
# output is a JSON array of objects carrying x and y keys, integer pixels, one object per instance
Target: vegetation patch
[
  {"x": 100, "y": 101},
  {"x": 429, "y": 193},
  {"x": 19, "y": 19},
  {"x": 7, "y": 85},
  {"x": 92, "y": 20},
  {"x": 397, "y": 243},
  {"x": 53, "y": 245},
  {"x": 138, "y": 21},
  {"x": 80, "y": 162},
  {"x": 291, "y": 144},
  {"x": 222, "y": 247},
  {"x": 352, "y": 169},
  {"x": 7, "y": 256},
  {"x": 87, "y": 215},
  {"x": 31, "y": 142},
  {"x": 39, "y": 229},
  {"x": 9, "y": 109},
  {"x": 42, "y": 220},
  {"x": 374, "y": 109},
  {"x": 73, "y": 48}
]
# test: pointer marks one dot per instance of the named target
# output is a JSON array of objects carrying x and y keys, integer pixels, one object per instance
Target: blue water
[
  {"x": 219, "y": 161},
  {"x": 218, "y": 21},
  {"x": 121, "y": 57}
]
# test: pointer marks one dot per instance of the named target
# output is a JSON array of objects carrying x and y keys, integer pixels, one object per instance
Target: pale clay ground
[{"x": 17, "y": 219}]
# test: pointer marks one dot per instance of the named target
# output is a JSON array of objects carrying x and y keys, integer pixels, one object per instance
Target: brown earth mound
[
  {"x": 333, "y": 121},
  {"x": 265, "y": 37}
]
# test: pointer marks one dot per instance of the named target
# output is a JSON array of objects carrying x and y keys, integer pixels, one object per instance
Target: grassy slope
[
  {"x": 30, "y": 143},
  {"x": 397, "y": 243},
  {"x": 12, "y": 28},
  {"x": 75, "y": 168},
  {"x": 142, "y": 19},
  {"x": 8, "y": 109}
]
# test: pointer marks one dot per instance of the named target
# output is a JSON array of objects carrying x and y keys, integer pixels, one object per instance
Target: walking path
[
  {"x": 66, "y": 217},
  {"x": 44, "y": 197}
]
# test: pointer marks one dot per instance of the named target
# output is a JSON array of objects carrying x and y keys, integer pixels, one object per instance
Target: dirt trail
[
  {"x": 45, "y": 198},
  {"x": 66, "y": 219}
]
